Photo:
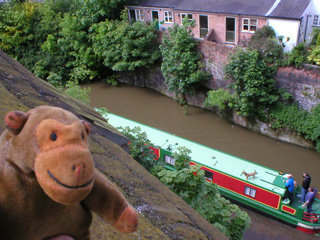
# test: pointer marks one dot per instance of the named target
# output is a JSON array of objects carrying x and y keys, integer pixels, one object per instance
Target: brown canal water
[{"x": 151, "y": 108}]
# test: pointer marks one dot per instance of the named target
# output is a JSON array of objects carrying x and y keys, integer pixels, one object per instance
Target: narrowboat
[{"x": 262, "y": 190}]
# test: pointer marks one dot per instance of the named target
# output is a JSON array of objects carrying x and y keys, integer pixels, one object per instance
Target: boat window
[
  {"x": 208, "y": 175},
  {"x": 250, "y": 191},
  {"x": 168, "y": 159}
]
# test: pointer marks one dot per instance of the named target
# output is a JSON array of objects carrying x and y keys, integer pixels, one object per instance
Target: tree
[
  {"x": 181, "y": 64},
  {"x": 124, "y": 46},
  {"x": 52, "y": 38},
  {"x": 253, "y": 85}
]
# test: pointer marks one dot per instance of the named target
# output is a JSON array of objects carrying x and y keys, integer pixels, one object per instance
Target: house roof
[{"x": 270, "y": 8}]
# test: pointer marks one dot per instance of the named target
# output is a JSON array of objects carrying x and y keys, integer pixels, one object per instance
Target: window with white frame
[
  {"x": 250, "y": 191},
  {"x": 139, "y": 15},
  {"x": 186, "y": 15},
  {"x": 208, "y": 175},
  {"x": 316, "y": 20},
  {"x": 168, "y": 159},
  {"x": 168, "y": 17},
  {"x": 249, "y": 24}
]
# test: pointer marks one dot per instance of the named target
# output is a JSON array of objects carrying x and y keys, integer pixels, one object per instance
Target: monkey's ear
[
  {"x": 87, "y": 126},
  {"x": 15, "y": 121}
]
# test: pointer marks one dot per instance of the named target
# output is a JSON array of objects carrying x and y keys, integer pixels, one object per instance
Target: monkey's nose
[{"x": 78, "y": 170}]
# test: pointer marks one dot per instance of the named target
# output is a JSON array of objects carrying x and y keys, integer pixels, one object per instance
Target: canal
[{"x": 151, "y": 108}]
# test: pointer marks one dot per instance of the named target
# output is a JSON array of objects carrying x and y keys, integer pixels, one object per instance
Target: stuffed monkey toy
[{"x": 48, "y": 183}]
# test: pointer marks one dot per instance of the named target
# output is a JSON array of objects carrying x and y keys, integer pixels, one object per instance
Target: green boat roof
[{"x": 265, "y": 178}]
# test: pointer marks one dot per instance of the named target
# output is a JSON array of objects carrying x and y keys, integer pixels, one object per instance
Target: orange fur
[{"x": 48, "y": 183}]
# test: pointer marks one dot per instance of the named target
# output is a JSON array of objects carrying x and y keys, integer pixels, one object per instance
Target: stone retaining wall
[{"x": 303, "y": 84}]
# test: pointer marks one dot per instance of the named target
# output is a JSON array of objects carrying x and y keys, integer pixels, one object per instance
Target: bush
[
  {"x": 297, "y": 57},
  {"x": 315, "y": 36},
  {"x": 73, "y": 89},
  {"x": 254, "y": 87},
  {"x": 53, "y": 37},
  {"x": 139, "y": 146},
  {"x": 291, "y": 117},
  {"x": 314, "y": 55},
  {"x": 264, "y": 40},
  {"x": 219, "y": 98},
  {"x": 122, "y": 46},
  {"x": 181, "y": 64}
]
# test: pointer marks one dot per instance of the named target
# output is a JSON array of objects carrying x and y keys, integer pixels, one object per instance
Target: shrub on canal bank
[
  {"x": 302, "y": 122},
  {"x": 125, "y": 46},
  {"x": 253, "y": 86},
  {"x": 75, "y": 40},
  {"x": 181, "y": 65}
]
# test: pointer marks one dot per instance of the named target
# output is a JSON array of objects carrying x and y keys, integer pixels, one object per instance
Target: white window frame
[
  {"x": 169, "y": 160},
  {"x": 249, "y": 24},
  {"x": 235, "y": 30},
  {"x": 139, "y": 15},
  {"x": 315, "y": 21},
  {"x": 208, "y": 178},
  {"x": 168, "y": 15},
  {"x": 152, "y": 15},
  {"x": 183, "y": 15},
  {"x": 250, "y": 191}
]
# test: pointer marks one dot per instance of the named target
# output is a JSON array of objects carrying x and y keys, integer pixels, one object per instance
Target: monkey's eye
[
  {"x": 82, "y": 136},
  {"x": 53, "y": 136}
]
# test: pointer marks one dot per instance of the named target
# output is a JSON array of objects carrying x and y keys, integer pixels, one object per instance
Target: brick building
[{"x": 229, "y": 21}]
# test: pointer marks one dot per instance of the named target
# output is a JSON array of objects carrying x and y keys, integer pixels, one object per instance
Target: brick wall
[
  {"x": 303, "y": 84},
  {"x": 215, "y": 57},
  {"x": 216, "y": 23}
]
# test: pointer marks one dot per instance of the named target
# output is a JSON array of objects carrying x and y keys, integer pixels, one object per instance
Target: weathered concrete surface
[{"x": 163, "y": 215}]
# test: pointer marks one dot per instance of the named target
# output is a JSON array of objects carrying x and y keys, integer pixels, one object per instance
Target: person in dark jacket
[
  {"x": 305, "y": 186},
  {"x": 311, "y": 195}
]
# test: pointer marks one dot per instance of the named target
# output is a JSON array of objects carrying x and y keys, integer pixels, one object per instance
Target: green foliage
[
  {"x": 16, "y": 22},
  {"x": 52, "y": 38},
  {"x": 55, "y": 80},
  {"x": 297, "y": 57},
  {"x": 290, "y": 117},
  {"x": 265, "y": 42},
  {"x": 314, "y": 55},
  {"x": 253, "y": 83},
  {"x": 182, "y": 158},
  {"x": 318, "y": 40},
  {"x": 139, "y": 146},
  {"x": 181, "y": 64},
  {"x": 95, "y": 11},
  {"x": 315, "y": 36},
  {"x": 189, "y": 183},
  {"x": 112, "y": 79},
  {"x": 122, "y": 46},
  {"x": 219, "y": 98},
  {"x": 73, "y": 89}
]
